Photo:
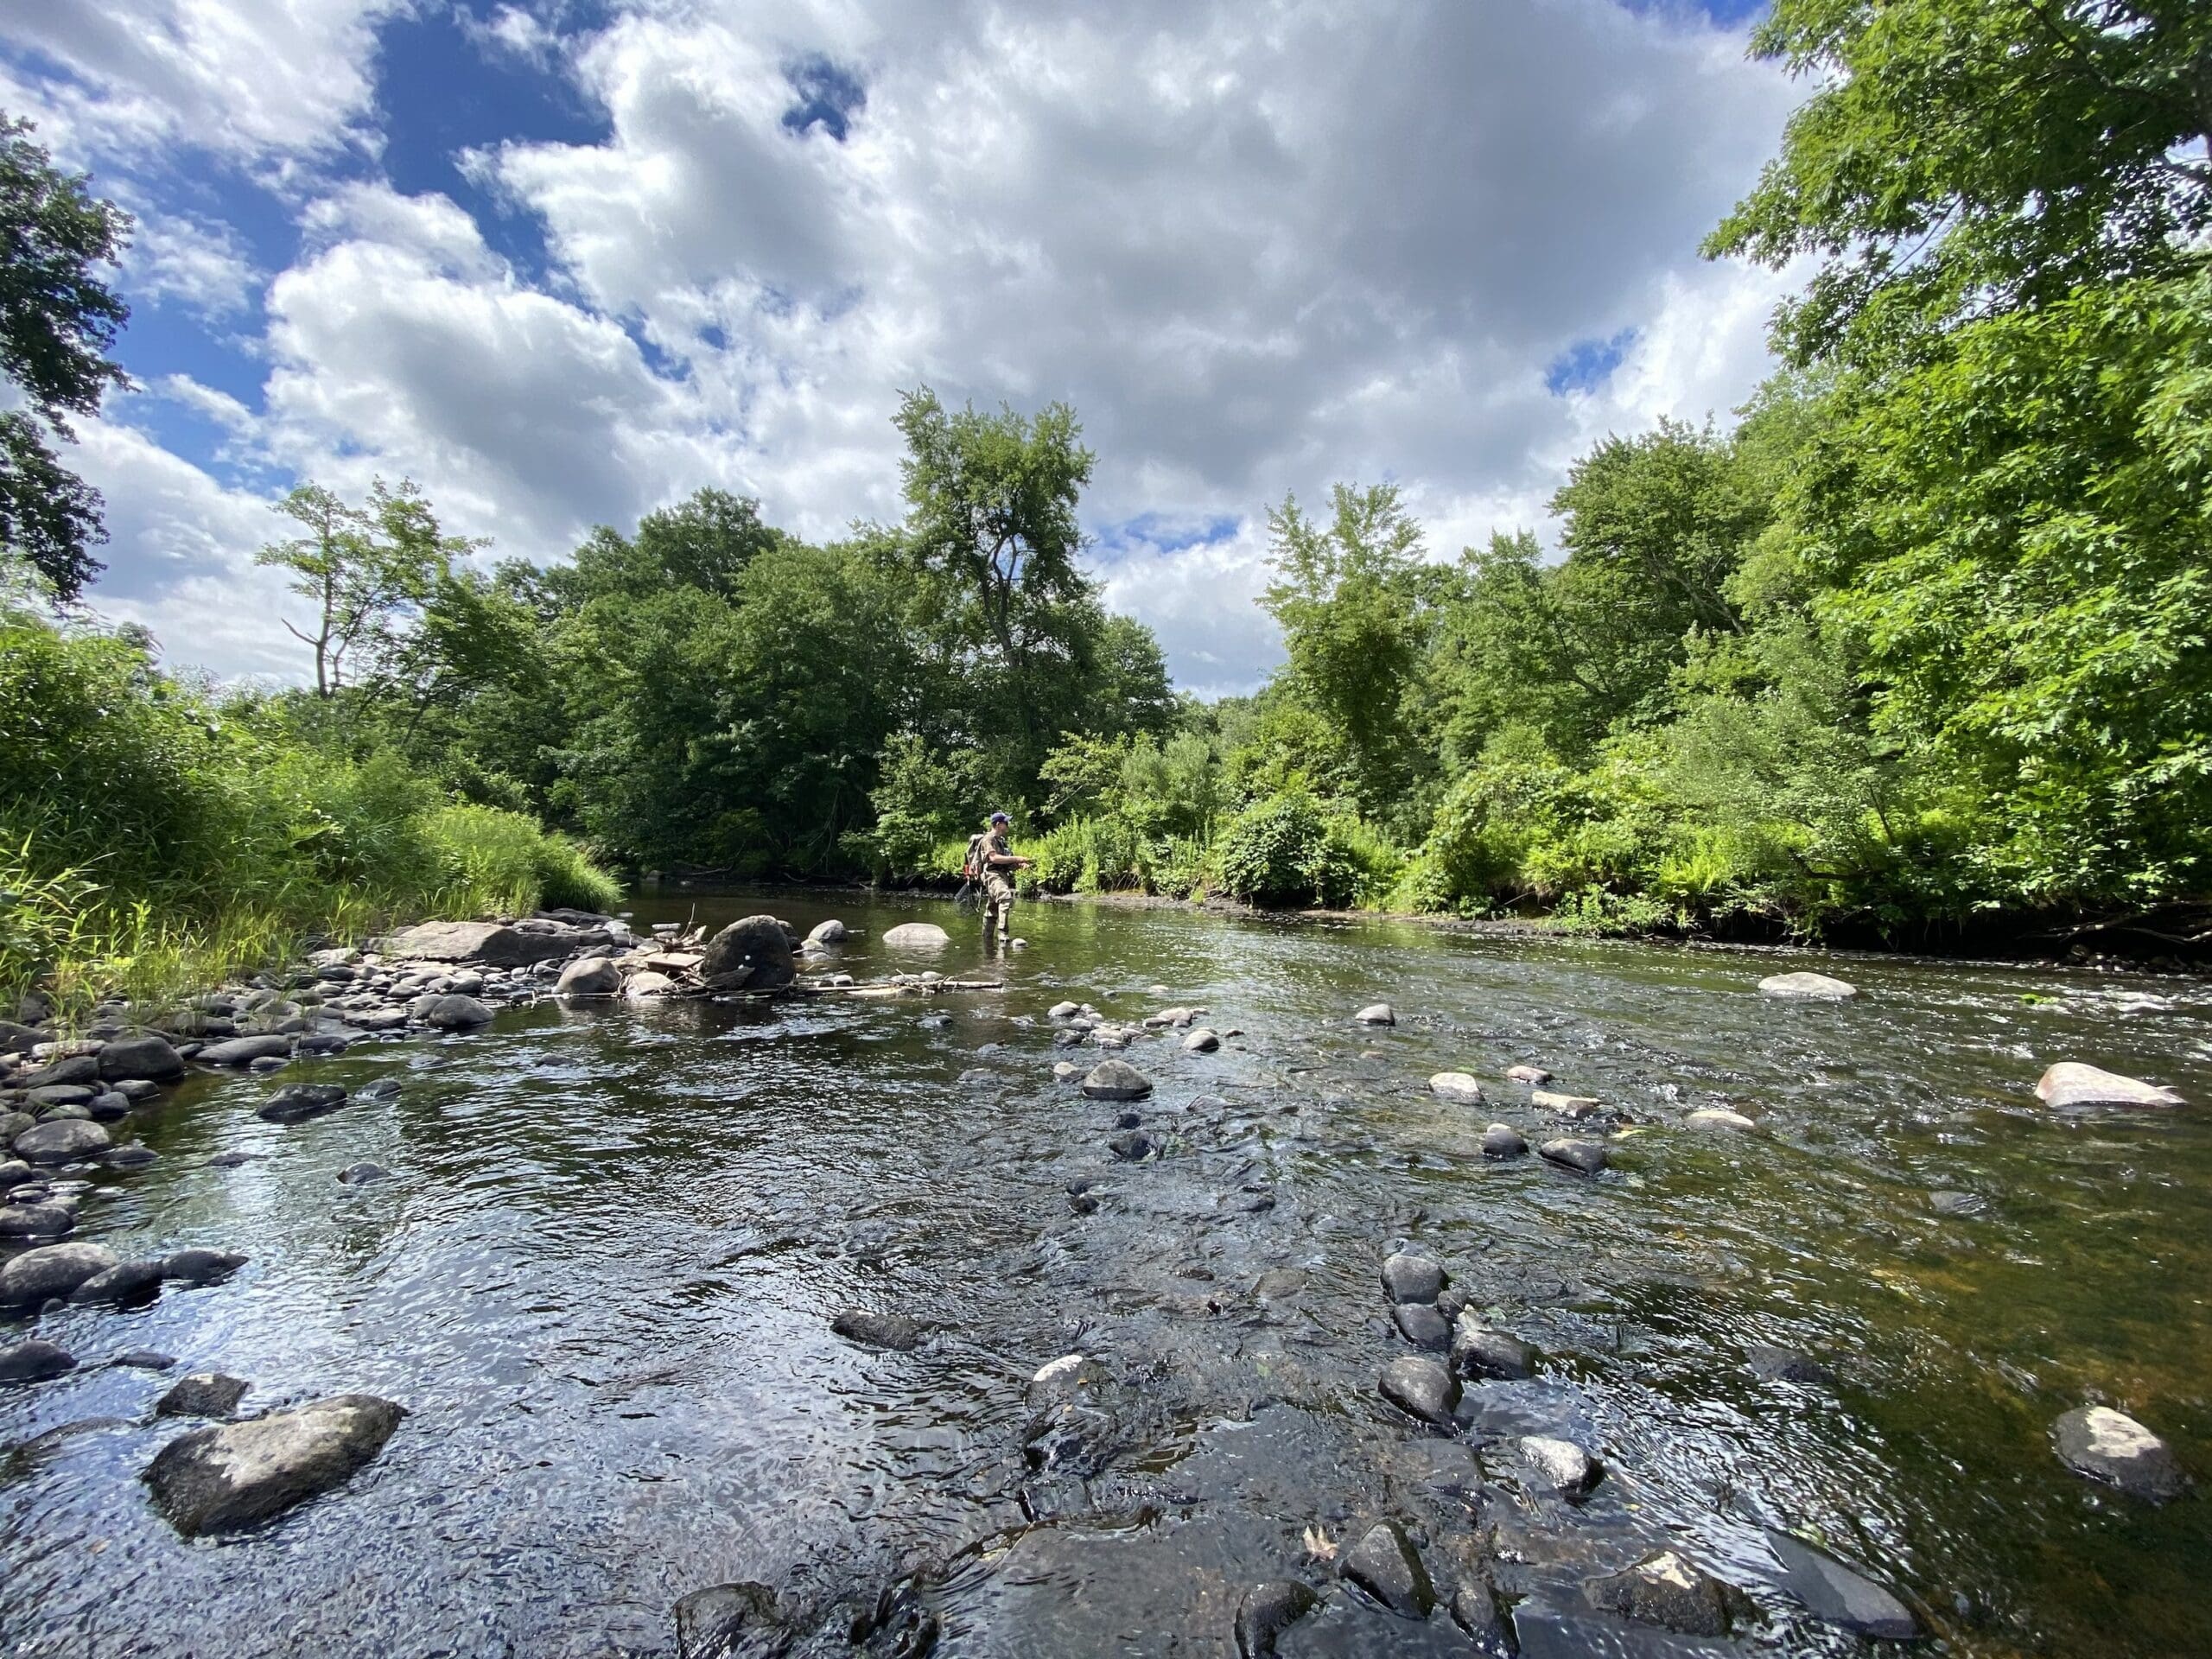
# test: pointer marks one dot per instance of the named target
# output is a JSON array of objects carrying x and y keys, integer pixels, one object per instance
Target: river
[{"x": 601, "y": 1276}]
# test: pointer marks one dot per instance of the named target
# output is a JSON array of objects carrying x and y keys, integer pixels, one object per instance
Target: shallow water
[{"x": 601, "y": 1276}]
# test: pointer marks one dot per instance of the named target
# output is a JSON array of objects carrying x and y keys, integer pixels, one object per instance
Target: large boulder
[
  {"x": 61, "y": 1140},
  {"x": 917, "y": 935},
  {"x": 830, "y": 933},
  {"x": 493, "y": 944},
  {"x": 752, "y": 954},
  {"x": 2071, "y": 1083},
  {"x": 147, "y": 1058},
  {"x": 220, "y": 1479},
  {"x": 51, "y": 1271},
  {"x": 589, "y": 976}
]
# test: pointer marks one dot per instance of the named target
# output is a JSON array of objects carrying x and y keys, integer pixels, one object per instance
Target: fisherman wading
[{"x": 992, "y": 861}]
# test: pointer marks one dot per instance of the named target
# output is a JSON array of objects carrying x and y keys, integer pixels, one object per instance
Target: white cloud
[
  {"x": 202, "y": 266},
  {"x": 1260, "y": 247}
]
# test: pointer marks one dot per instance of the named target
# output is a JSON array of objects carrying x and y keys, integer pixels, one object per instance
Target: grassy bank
[{"x": 155, "y": 838}]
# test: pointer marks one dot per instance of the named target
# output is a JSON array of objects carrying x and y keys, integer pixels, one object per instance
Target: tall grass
[{"x": 154, "y": 841}]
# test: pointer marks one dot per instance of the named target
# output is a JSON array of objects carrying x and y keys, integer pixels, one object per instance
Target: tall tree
[{"x": 57, "y": 320}]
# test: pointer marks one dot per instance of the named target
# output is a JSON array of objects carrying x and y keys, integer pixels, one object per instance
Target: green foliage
[
  {"x": 1288, "y": 849},
  {"x": 58, "y": 322}
]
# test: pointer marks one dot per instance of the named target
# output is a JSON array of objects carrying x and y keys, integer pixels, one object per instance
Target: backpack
[{"x": 973, "y": 869}]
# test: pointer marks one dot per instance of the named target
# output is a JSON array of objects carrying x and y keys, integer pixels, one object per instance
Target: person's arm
[{"x": 1007, "y": 861}]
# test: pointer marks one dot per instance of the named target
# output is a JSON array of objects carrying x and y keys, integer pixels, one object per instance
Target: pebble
[
  {"x": 35, "y": 1362},
  {"x": 1204, "y": 1040},
  {"x": 1572, "y": 1105}
]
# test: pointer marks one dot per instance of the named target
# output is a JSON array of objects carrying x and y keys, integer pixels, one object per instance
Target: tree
[
  {"x": 57, "y": 320},
  {"x": 365, "y": 569},
  {"x": 1974, "y": 158},
  {"x": 1349, "y": 597}
]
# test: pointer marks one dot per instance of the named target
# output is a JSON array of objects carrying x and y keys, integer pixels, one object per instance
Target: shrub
[{"x": 1276, "y": 851}]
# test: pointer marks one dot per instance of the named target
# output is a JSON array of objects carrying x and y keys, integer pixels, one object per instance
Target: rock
[
  {"x": 1527, "y": 1074},
  {"x": 489, "y": 944},
  {"x": 2071, "y": 1083},
  {"x": 1115, "y": 1080},
  {"x": 362, "y": 1173},
  {"x": 893, "y": 1331},
  {"x": 645, "y": 986},
  {"x": 453, "y": 1011},
  {"x": 1411, "y": 1278},
  {"x": 589, "y": 976},
  {"x": 1422, "y": 1387},
  {"x": 1376, "y": 1014},
  {"x": 61, "y": 1142},
  {"x": 1808, "y": 987},
  {"x": 202, "y": 1266},
  {"x": 1772, "y": 1364},
  {"x": 138, "y": 1090},
  {"x": 1571, "y": 1105},
  {"x": 1134, "y": 1148},
  {"x": 30, "y": 1220},
  {"x": 2112, "y": 1447},
  {"x": 1069, "y": 1439},
  {"x": 1476, "y": 1610},
  {"x": 751, "y": 954},
  {"x": 51, "y": 1101},
  {"x": 17, "y": 1038},
  {"x": 1457, "y": 1086},
  {"x": 124, "y": 1283},
  {"x": 1478, "y": 1351},
  {"x": 1559, "y": 1466},
  {"x": 1840, "y": 1595},
  {"x": 1062, "y": 1011},
  {"x": 730, "y": 1621},
  {"x": 1203, "y": 1040},
  {"x": 142, "y": 1059},
  {"x": 1663, "y": 1590},
  {"x": 830, "y": 933},
  {"x": 1066, "y": 1071},
  {"x": 1504, "y": 1141},
  {"x": 1386, "y": 1565},
  {"x": 108, "y": 1108},
  {"x": 1065, "y": 1378},
  {"x": 915, "y": 936},
  {"x": 35, "y": 1362},
  {"x": 1419, "y": 1324},
  {"x": 1948, "y": 1203},
  {"x": 132, "y": 1154},
  {"x": 1719, "y": 1117},
  {"x": 298, "y": 1101},
  {"x": 1584, "y": 1157},
  {"x": 143, "y": 1359},
  {"x": 219, "y": 1479},
  {"x": 38, "y": 1276},
  {"x": 245, "y": 1050},
  {"x": 1266, "y": 1610},
  {"x": 203, "y": 1393},
  {"x": 69, "y": 1069},
  {"x": 13, "y": 1173}
]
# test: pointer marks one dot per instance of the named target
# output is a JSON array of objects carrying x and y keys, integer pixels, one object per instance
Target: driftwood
[{"x": 910, "y": 987}]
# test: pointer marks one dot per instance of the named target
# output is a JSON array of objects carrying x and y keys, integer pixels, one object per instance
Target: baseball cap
[{"x": 1000, "y": 817}]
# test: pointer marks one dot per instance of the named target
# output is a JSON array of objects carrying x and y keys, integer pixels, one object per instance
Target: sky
[{"x": 565, "y": 261}]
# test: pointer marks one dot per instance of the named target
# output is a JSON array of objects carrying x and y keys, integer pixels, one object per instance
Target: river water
[{"x": 601, "y": 1277}]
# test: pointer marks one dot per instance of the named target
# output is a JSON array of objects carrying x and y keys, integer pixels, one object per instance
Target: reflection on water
[{"x": 602, "y": 1274}]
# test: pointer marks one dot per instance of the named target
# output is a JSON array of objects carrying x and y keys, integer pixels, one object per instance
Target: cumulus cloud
[
  {"x": 200, "y": 265},
  {"x": 1260, "y": 247}
]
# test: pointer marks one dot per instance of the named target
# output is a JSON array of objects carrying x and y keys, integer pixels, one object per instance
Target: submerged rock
[
  {"x": 1558, "y": 1466},
  {"x": 2071, "y": 1083},
  {"x": 37, "y": 1276},
  {"x": 1422, "y": 1387},
  {"x": 1504, "y": 1141},
  {"x": 203, "y": 1393},
  {"x": 1419, "y": 1324},
  {"x": 1480, "y": 1351},
  {"x": 1411, "y": 1278},
  {"x": 125, "y": 1282},
  {"x": 361, "y": 1174},
  {"x": 1386, "y": 1565},
  {"x": 1667, "y": 1591},
  {"x": 1115, "y": 1080},
  {"x": 915, "y": 936},
  {"x": 1584, "y": 1157},
  {"x": 893, "y": 1331},
  {"x": 1807, "y": 987},
  {"x": 35, "y": 1362},
  {"x": 298, "y": 1101},
  {"x": 1456, "y": 1086},
  {"x": 1840, "y": 1595},
  {"x": 2111, "y": 1446},
  {"x": 1377, "y": 1013},
  {"x": 199, "y": 1266},
  {"x": 1774, "y": 1365},
  {"x": 1266, "y": 1610},
  {"x": 219, "y": 1479},
  {"x": 730, "y": 1621}
]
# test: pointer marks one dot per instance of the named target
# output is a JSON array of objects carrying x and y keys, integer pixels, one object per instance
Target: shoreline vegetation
[{"x": 1912, "y": 653}]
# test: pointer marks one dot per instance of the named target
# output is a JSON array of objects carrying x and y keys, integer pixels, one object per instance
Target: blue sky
[{"x": 565, "y": 261}]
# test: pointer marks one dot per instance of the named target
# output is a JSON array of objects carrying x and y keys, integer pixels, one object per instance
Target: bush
[{"x": 1284, "y": 851}]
